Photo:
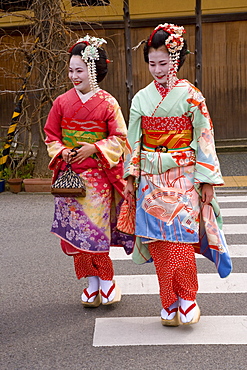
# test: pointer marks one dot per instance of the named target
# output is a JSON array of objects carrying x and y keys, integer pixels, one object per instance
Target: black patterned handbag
[{"x": 69, "y": 184}]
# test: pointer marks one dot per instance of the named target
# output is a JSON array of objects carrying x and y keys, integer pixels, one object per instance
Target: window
[
  {"x": 90, "y": 2},
  {"x": 14, "y": 5}
]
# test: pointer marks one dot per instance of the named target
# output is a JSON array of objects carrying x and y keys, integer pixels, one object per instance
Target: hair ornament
[
  {"x": 174, "y": 44},
  {"x": 89, "y": 55}
]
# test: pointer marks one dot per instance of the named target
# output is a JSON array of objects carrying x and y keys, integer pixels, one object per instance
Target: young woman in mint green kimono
[{"x": 173, "y": 165}]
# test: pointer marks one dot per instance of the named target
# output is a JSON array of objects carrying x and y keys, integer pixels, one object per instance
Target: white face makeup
[
  {"x": 78, "y": 74},
  {"x": 159, "y": 64}
]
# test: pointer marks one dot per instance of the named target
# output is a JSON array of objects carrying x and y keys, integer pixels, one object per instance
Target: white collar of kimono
[{"x": 85, "y": 97}]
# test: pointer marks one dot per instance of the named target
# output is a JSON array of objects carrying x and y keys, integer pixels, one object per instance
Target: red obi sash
[
  {"x": 173, "y": 133},
  {"x": 83, "y": 125},
  {"x": 74, "y": 131}
]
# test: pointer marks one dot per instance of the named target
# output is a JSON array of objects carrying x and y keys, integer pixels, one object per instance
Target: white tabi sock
[
  {"x": 93, "y": 286},
  {"x": 185, "y": 305},
  {"x": 105, "y": 286},
  {"x": 166, "y": 314}
]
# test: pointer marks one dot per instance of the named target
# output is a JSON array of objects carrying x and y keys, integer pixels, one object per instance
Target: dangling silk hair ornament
[
  {"x": 89, "y": 55},
  {"x": 174, "y": 44}
]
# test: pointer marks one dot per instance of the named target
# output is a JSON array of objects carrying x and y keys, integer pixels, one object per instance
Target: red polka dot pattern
[
  {"x": 176, "y": 270},
  {"x": 166, "y": 124},
  {"x": 89, "y": 264}
]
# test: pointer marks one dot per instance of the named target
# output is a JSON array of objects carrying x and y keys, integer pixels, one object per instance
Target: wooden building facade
[{"x": 224, "y": 52}]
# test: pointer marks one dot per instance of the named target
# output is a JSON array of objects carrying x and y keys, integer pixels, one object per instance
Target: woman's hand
[
  {"x": 207, "y": 193},
  {"x": 79, "y": 155},
  {"x": 66, "y": 155},
  {"x": 129, "y": 188},
  {"x": 85, "y": 151}
]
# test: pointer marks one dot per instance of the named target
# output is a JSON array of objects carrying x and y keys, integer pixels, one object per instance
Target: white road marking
[
  {"x": 230, "y": 199},
  {"x": 232, "y": 212},
  {"x": 208, "y": 283},
  {"x": 236, "y": 251},
  {"x": 140, "y": 331},
  {"x": 239, "y": 229}
]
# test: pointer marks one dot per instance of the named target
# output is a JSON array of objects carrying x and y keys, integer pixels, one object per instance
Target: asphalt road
[{"x": 44, "y": 325}]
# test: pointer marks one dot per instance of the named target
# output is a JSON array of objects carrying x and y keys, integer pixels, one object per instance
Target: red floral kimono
[{"x": 89, "y": 224}]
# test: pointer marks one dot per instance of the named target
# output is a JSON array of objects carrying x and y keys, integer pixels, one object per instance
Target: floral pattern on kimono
[
  {"x": 168, "y": 196},
  {"x": 89, "y": 223}
]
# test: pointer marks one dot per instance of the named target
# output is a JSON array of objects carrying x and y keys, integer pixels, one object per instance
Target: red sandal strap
[
  {"x": 109, "y": 291},
  {"x": 91, "y": 295},
  {"x": 171, "y": 311},
  {"x": 188, "y": 309}
]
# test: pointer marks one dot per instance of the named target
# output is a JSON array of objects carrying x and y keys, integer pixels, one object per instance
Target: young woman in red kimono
[{"x": 86, "y": 128}]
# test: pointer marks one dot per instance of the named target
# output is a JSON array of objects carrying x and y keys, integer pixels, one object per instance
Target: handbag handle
[{"x": 74, "y": 151}]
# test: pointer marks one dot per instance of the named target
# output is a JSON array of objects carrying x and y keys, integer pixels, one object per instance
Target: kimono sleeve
[
  {"x": 53, "y": 139},
  {"x": 53, "y": 130},
  {"x": 207, "y": 168},
  {"x": 133, "y": 150},
  {"x": 112, "y": 148}
]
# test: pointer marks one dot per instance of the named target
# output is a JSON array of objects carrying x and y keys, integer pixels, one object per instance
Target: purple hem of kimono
[{"x": 81, "y": 233}]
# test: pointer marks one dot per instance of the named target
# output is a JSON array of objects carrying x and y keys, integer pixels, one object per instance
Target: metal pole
[
  {"x": 198, "y": 46},
  {"x": 128, "y": 54}
]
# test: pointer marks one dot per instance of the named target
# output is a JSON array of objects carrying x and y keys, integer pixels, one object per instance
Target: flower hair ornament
[
  {"x": 89, "y": 55},
  {"x": 174, "y": 44}
]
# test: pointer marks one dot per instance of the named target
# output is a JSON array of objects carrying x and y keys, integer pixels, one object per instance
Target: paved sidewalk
[
  {"x": 234, "y": 169},
  {"x": 235, "y": 181}
]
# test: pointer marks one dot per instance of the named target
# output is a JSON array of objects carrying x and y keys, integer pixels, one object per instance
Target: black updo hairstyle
[
  {"x": 158, "y": 40},
  {"x": 101, "y": 63}
]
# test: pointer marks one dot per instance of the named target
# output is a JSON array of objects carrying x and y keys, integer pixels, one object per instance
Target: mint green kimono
[{"x": 169, "y": 208}]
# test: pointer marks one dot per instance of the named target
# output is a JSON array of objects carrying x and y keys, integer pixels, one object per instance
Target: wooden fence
[{"x": 224, "y": 71}]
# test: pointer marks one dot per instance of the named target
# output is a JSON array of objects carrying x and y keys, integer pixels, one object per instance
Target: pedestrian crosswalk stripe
[
  {"x": 232, "y": 212},
  {"x": 235, "y": 229},
  {"x": 230, "y": 199},
  {"x": 239, "y": 250},
  {"x": 208, "y": 283},
  {"x": 138, "y": 331},
  {"x": 212, "y": 283},
  {"x": 127, "y": 331},
  {"x": 236, "y": 251}
]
